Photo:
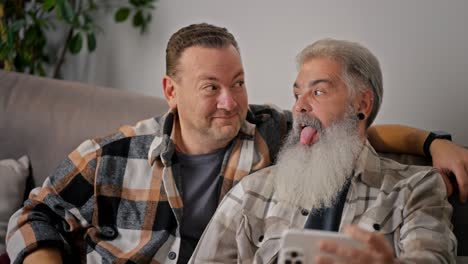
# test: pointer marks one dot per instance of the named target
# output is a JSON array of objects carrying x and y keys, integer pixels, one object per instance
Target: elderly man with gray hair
[{"x": 328, "y": 177}]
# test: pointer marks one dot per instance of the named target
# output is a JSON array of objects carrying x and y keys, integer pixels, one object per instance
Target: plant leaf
[
  {"x": 65, "y": 10},
  {"x": 92, "y": 5},
  {"x": 48, "y": 5},
  {"x": 17, "y": 25},
  {"x": 138, "y": 19},
  {"x": 122, "y": 14},
  {"x": 136, "y": 3},
  {"x": 43, "y": 23},
  {"x": 91, "y": 42},
  {"x": 76, "y": 43},
  {"x": 10, "y": 38},
  {"x": 3, "y": 50},
  {"x": 88, "y": 18}
]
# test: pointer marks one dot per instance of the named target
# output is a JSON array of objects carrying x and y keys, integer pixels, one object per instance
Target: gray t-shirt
[{"x": 198, "y": 182}]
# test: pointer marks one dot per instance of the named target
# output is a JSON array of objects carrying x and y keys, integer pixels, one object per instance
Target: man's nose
[
  {"x": 226, "y": 100},
  {"x": 302, "y": 105}
]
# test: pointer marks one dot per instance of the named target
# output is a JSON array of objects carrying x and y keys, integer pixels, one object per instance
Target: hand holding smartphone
[{"x": 302, "y": 245}]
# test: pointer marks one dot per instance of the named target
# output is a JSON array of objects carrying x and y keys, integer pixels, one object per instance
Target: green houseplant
[{"x": 24, "y": 26}]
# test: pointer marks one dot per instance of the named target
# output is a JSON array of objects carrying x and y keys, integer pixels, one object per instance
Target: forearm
[
  {"x": 43, "y": 221},
  {"x": 44, "y": 255},
  {"x": 397, "y": 139},
  {"x": 30, "y": 230}
]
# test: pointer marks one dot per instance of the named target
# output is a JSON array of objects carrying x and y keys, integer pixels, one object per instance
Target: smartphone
[{"x": 300, "y": 246}]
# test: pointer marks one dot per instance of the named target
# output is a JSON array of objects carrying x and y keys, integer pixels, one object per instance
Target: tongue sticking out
[{"x": 307, "y": 135}]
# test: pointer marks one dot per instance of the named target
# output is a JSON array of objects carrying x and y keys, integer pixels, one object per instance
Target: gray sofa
[{"x": 46, "y": 119}]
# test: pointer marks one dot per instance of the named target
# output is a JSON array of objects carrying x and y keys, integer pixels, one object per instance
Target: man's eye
[
  {"x": 211, "y": 88},
  {"x": 318, "y": 92},
  {"x": 239, "y": 84}
]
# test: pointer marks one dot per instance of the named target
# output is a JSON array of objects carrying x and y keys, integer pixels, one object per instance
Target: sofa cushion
[{"x": 13, "y": 175}]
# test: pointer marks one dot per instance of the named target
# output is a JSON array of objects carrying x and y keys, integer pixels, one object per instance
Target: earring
[{"x": 361, "y": 116}]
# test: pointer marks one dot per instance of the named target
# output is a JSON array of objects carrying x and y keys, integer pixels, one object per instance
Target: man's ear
[
  {"x": 169, "y": 91},
  {"x": 364, "y": 102}
]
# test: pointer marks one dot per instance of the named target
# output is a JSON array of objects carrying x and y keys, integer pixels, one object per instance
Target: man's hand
[
  {"x": 451, "y": 158},
  {"x": 376, "y": 249}
]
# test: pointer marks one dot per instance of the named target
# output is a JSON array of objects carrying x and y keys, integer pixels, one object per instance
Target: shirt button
[
  {"x": 304, "y": 212},
  {"x": 172, "y": 255},
  {"x": 108, "y": 232},
  {"x": 376, "y": 227}
]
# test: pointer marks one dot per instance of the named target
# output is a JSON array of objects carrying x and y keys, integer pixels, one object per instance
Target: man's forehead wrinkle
[
  {"x": 315, "y": 82},
  {"x": 211, "y": 77},
  {"x": 311, "y": 74},
  {"x": 311, "y": 83},
  {"x": 208, "y": 77},
  {"x": 238, "y": 74}
]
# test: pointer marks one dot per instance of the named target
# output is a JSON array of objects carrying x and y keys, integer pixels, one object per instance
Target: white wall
[{"x": 422, "y": 46}]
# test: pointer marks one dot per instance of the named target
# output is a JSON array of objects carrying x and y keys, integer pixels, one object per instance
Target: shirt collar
[
  {"x": 162, "y": 147},
  {"x": 368, "y": 166}
]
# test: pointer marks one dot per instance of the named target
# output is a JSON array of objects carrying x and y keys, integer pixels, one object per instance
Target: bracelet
[{"x": 431, "y": 137}]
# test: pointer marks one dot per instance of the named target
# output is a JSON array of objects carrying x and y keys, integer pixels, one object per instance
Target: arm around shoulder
[{"x": 397, "y": 139}]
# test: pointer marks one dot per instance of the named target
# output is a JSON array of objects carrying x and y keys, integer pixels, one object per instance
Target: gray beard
[{"x": 312, "y": 176}]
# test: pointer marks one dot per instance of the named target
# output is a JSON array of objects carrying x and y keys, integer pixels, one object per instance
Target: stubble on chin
[{"x": 225, "y": 132}]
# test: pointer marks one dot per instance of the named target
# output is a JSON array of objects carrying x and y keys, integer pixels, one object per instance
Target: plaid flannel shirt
[
  {"x": 407, "y": 203},
  {"x": 115, "y": 199}
]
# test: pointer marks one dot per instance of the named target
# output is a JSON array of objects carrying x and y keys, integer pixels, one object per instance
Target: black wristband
[{"x": 431, "y": 137}]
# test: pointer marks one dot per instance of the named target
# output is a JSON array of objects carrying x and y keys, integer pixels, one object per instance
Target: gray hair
[{"x": 360, "y": 68}]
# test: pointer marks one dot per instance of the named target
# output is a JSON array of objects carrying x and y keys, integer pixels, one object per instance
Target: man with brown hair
[{"x": 146, "y": 193}]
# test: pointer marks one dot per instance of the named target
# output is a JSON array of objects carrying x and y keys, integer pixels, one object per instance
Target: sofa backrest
[{"x": 46, "y": 119}]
